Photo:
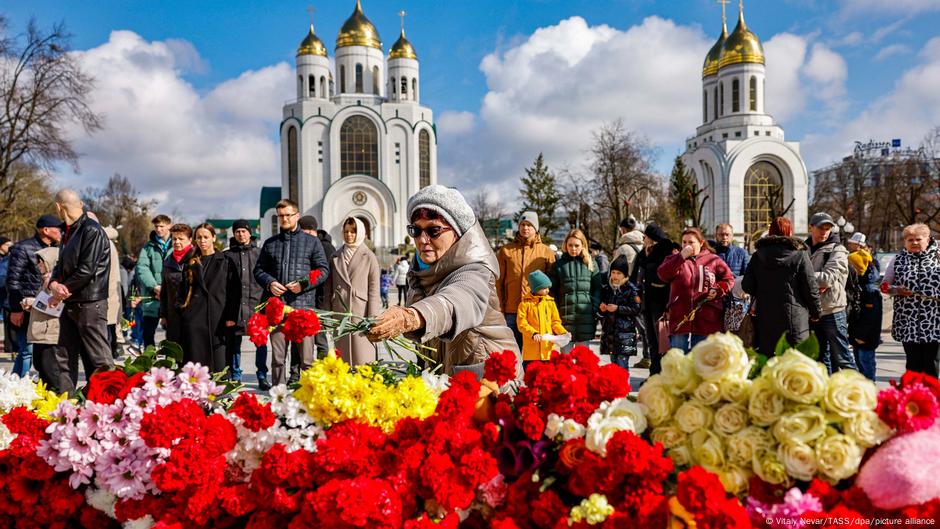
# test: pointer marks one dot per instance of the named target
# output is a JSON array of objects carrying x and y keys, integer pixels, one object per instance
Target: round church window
[{"x": 359, "y": 198}]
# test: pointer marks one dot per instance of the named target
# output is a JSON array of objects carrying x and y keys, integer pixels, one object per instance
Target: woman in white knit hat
[{"x": 452, "y": 303}]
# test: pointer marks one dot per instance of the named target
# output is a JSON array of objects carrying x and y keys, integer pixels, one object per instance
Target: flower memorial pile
[{"x": 716, "y": 441}]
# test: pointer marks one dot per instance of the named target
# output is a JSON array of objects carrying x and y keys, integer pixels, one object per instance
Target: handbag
[
  {"x": 662, "y": 333},
  {"x": 735, "y": 310},
  {"x": 747, "y": 330}
]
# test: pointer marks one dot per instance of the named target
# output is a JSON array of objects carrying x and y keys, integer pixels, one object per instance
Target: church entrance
[{"x": 763, "y": 199}]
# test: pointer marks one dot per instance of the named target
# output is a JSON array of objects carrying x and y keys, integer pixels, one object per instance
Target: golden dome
[
  {"x": 402, "y": 49},
  {"x": 742, "y": 46},
  {"x": 711, "y": 60},
  {"x": 358, "y": 31},
  {"x": 311, "y": 45}
]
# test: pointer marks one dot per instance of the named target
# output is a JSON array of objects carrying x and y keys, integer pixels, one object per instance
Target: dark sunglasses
[{"x": 433, "y": 232}]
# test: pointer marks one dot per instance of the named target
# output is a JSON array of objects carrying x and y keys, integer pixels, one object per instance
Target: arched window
[
  {"x": 375, "y": 80},
  {"x": 342, "y": 78},
  {"x": 424, "y": 159},
  {"x": 394, "y": 87},
  {"x": 300, "y": 86},
  {"x": 323, "y": 92},
  {"x": 721, "y": 96},
  {"x": 293, "y": 181},
  {"x": 404, "y": 88},
  {"x": 414, "y": 88},
  {"x": 705, "y": 106},
  {"x": 312, "y": 81},
  {"x": 359, "y": 85},
  {"x": 715, "y": 104},
  {"x": 763, "y": 198},
  {"x": 359, "y": 147},
  {"x": 753, "y": 94},
  {"x": 735, "y": 95}
]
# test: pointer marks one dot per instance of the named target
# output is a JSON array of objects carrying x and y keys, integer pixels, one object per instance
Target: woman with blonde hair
[
  {"x": 576, "y": 288},
  {"x": 208, "y": 300}
]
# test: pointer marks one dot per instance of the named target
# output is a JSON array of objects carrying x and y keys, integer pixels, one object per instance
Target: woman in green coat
[{"x": 577, "y": 289}]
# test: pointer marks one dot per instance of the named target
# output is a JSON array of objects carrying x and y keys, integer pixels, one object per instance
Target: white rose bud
[
  {"x": 867, "y": 428},
  {"x": 735, "y": 478},
  {"x": 596, "y": 438},
  {"x": 626, "y": 408},
  {"x": 765, "y": 405},
  {"x": 708, "y": 392},
  {"x": 735, "y": 389},
  {"x": 678, "y": 371},
  {"x": 681, "y": 455},
  {"x": 659, "y": 401},
  {"x": 707, "y": 450},
  {"x": 798, "y": 459},
  {"x": 797, "y": 377},
  {"x": 692, "y": 416},
  {"x": 730, "y": 418},
  {"x": 849, "y": 392},
  {"x": 721, "y": 355},
  {"x": 804, "y": 425},
  {"x": 669, "y": 435},
  {"x": 744, "y": 444},
  {"x": 769, "y": 468},
  {"x": 838, "y": 456}
]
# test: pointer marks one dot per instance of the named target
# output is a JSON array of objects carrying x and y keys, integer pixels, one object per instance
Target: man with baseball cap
[
  {"x": 831, "y": 264},
  {"x": 24, "y": 281}
]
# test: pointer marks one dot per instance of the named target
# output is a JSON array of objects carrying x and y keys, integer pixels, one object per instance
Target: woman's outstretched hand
[{"x": 395, "y": 321}]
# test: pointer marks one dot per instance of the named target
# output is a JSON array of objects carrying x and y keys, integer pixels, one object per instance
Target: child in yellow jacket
[{"x": 538, "y": 316}]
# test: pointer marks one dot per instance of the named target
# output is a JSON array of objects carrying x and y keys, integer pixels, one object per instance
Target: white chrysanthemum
[
  {"x": 15, "y": 391},
  {"x": 437, "y": 383}
]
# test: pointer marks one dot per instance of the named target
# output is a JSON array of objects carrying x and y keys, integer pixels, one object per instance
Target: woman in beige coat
[{"x": 353, "y": 286}]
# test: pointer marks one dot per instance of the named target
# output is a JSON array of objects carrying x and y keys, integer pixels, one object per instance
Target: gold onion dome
[
  {"x": 741, "y": 46},
  {"x": 358, "y": 31},
  {"x": 711, "y": 60},
  {"x": 311, "y": 45},
  {"x": 402, "y": 49}
]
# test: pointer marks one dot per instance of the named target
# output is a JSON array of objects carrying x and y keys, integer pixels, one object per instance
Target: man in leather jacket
[
  {"x": 80, "y": 280},
  {"x": 285, "y": 262}
]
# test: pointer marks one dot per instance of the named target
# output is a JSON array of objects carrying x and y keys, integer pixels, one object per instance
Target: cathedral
[
  {"x": 356, "y": 142},
  {"x": 739, "y": 154}
]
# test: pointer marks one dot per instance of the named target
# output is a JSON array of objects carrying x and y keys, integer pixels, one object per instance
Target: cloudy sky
[{"x": 192, "y": 92}]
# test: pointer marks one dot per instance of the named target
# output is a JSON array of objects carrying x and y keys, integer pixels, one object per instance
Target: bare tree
[
  {"x": 488, "y": 211},
  {"x": 119, "y": 204},
  {"x": 42, "y": 92},
  {"x": 33, "y": 199}
]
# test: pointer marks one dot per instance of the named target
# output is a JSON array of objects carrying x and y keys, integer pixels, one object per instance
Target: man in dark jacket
[
  {"x": 81, "y": 280},
  {"x": 24, "y": 281},
  {"x": 310, "y": 226},
  {"x": 243, "y": 254},
  {"x": 287, "y": 259},
  {"x": 656, "y": 248}
]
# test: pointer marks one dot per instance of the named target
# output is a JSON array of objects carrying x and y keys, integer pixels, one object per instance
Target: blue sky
[{"x": 845, "y": 70}]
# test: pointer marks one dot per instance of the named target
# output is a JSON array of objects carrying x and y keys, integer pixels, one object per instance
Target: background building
[
  {"x": 739, "y": 154},
  {"x": 356, "y": 141}
]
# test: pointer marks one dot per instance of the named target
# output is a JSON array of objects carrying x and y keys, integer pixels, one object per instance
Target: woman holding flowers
[
  {"x": 181, "y": 241},
  {"x": 353, "y": 286},
  {"x": 206, "y": 314},
  {"x": 698, "y": 281},
  {"x": 452, "y": 301},
  {"x": 576, "y": 287},
  {"x": 913, "y": 278}
]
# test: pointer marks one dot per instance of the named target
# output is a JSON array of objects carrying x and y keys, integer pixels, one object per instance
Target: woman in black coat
[
  {"x": 206, "y": 308},
  {"x": 655, "y": 293},
  {"x": 781, "y": 279},
  {"x": 181, "y": 237}
]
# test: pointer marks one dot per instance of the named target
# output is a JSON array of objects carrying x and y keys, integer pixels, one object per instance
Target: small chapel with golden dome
[
  {"x": 739, "y": 154},
  {"x": 356, "y": 140}
]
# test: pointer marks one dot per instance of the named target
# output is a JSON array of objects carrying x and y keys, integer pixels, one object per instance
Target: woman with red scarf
[
  {"x": 698, "y": 281},
  {"x": 181, "y": 239}
]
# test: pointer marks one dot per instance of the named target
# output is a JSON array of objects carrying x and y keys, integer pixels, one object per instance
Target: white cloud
[
  {"x": 455, "y": 123},
  {"x": 200, "y": 154},
  {"x": 881, "y": 7},
  {"x": 908, "y": 112},
  {"x": 550, "y": 91},
  {"x": 891, "y": 51}
]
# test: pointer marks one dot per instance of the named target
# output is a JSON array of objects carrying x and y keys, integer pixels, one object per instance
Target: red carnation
[
  {"x": 531, "y": 422},
  {"x": 257, "y": 329},
  {"x": 314, "y": 276},
  {"x": 274, "y": 311},
  {"x": 105, "y": 387},
  {"x": 256, "y": 416},
  {"x": 500, "y": 367},
  {"x": 300, "y": 324}
]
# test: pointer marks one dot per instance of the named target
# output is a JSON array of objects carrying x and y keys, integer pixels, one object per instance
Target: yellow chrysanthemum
[{"x": 47, "y": 401}]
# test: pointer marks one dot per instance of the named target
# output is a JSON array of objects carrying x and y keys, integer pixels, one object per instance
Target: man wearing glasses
[{"x": 285, "y": 260}]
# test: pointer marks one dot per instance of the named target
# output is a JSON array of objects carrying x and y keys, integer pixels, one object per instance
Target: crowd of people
[{"x": 66, "y": 291}]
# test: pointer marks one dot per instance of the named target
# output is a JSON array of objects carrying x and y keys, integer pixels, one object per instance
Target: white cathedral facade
[
  {"x": 739, "y": 154},
  {"x": 356, "y": 142}
]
